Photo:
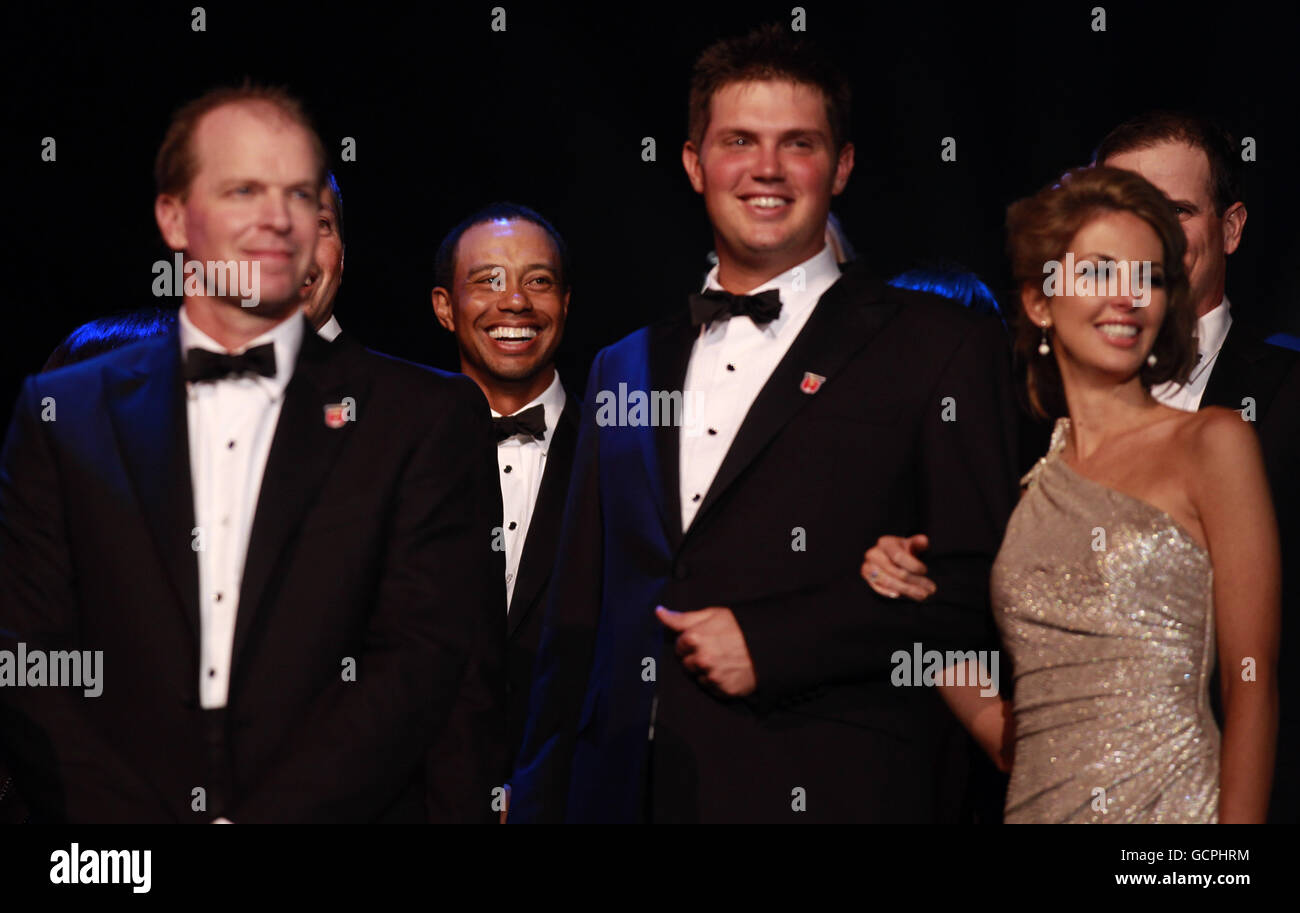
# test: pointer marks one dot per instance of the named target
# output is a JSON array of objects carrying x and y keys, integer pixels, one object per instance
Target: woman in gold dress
[{"x": 1144, "y": 540}]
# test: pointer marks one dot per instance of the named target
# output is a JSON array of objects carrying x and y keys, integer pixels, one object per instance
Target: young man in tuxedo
[
  {"x": 503, "y": 290},
  {"x": 1197, "y": 165},
  {"x": 280, "y": 547},
  {"x": 710, "y": 652}
]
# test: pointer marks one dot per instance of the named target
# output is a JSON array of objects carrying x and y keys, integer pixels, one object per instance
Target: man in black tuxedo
[
  {"x": 279, "y": 547},
  {"x": 710, "y": 652},
  {"x": 1197, "y": 165},
  {"x": 503, "y": 290}
]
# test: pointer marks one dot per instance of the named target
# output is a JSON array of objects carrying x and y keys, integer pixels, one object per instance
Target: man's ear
[
  {"x": 442, "y": 309},
  {"x": 1234, "y": 223},
  {"x": 691, "y": 162},
  {"x": 567, "y": 292},
  {"x": 843, "y": 168},
  {"x": 169, "y": 213}
]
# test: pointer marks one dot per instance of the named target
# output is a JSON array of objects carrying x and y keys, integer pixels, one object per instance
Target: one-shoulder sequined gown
[{"x": 1111, "y": 641}]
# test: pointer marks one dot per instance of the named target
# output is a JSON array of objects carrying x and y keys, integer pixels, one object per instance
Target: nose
[
  {"x": 768, "y": 166},
  {"x": 514, "y": 299},
  {"x": 275, "y": 213}
]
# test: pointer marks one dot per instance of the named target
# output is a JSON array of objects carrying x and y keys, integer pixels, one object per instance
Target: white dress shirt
[
  {"x": 1211, "y": 330},
  {"x": 231, "y": 424},
  {"x": 330, "y": 329},
  {"x": 730, "y": 363},
  {"x": 522, "y": 461}
]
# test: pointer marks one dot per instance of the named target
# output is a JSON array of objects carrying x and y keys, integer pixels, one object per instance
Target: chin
[
  {"x": 514, "y": 370},
  {"x": 275, "y": 305}
]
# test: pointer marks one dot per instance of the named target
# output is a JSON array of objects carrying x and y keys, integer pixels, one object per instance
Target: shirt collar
[
  {"x": 286, "y": 336},
  {"x": 552, "y": 401},
  {"x": 1212, "y": 328},
  {"x": 800, "y": 286},
  {"x": 330, "y": 329}
]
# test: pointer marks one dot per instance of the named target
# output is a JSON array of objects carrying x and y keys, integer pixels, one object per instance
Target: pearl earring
[
  {"x": 1043, "y": 347},
  {"x": 1151, "y": 359}
]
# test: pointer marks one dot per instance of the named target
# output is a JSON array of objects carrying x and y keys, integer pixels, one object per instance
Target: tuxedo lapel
[
  {"x": 544, "y": 526},
  {"x": 1227, "y": 378},
  {"x": 669, "y": 353},
  {"x": 303, "y": 451},
  {"x": 146, "y": 403},
  {"x": 1248, "y": 368},
  {"x": 845, "y": 319}
]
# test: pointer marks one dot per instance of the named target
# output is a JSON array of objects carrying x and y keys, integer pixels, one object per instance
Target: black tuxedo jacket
[
  {"x": 527, "y": 607},
  {"x": 370, "y": 543},
  {"x": 810, "y": 482},
  {"x": 1250, "y": 369}
]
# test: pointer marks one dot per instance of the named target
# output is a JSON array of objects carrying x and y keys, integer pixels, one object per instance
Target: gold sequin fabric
[{"x": 1106, "y": 609}]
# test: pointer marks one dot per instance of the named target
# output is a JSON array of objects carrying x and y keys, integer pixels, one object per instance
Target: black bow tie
[
  {"x": 531, "y": 421},
  {"x": 201, "y": 364},
  {"x": 715, "y": 304}
]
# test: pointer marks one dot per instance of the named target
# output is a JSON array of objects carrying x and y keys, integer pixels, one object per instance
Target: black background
[{"x": 448, "y": 115}]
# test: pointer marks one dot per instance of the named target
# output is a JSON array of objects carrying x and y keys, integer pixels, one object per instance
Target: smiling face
[
  {"x": 1100, "y": 333},
  {"x": 506, "y": 305},
  {"x": 254, "y": 197},
  {"x": 326, "y": 271},
  {"x": 1182, "y": 173},
  {"x": 767, "y": 169}
]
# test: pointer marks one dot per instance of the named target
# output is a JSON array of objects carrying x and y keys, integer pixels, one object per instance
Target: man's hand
[{"x": 712, "y": 647}]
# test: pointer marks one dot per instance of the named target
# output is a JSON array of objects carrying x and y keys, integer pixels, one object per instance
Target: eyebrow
[
  {"x": 478, "y": 268},
  {"x": 785, "y": 134},
  {"x": 257, "y": 182},
  {"x": 1114, "y": 259}
]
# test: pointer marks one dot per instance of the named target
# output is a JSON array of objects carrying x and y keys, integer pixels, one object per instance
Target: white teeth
[
  {"x": 512, "y": 332},
  {"x": 1119, "y": 331},
  {"x": 766, "y": 202}
]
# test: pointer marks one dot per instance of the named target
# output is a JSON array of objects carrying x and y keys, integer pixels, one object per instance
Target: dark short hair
[
  {"x": 1154, "y": 127},
  {"x": 176, "y": 163},
  {"x": 768, "y": 52},
  {"x": 105, "y": 334},
  {"x": 444, "y": 263},
  {"x": 955, "y": 283},
  {"x": 1039, "y": 230},
  {"x": 332, "y": 183}
]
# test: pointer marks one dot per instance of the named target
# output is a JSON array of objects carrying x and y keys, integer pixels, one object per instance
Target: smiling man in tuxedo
[
  {"x": 281, "y": 546},
  {"x": 710, "y": 653},
  {"x": 503, "y": 289}
]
